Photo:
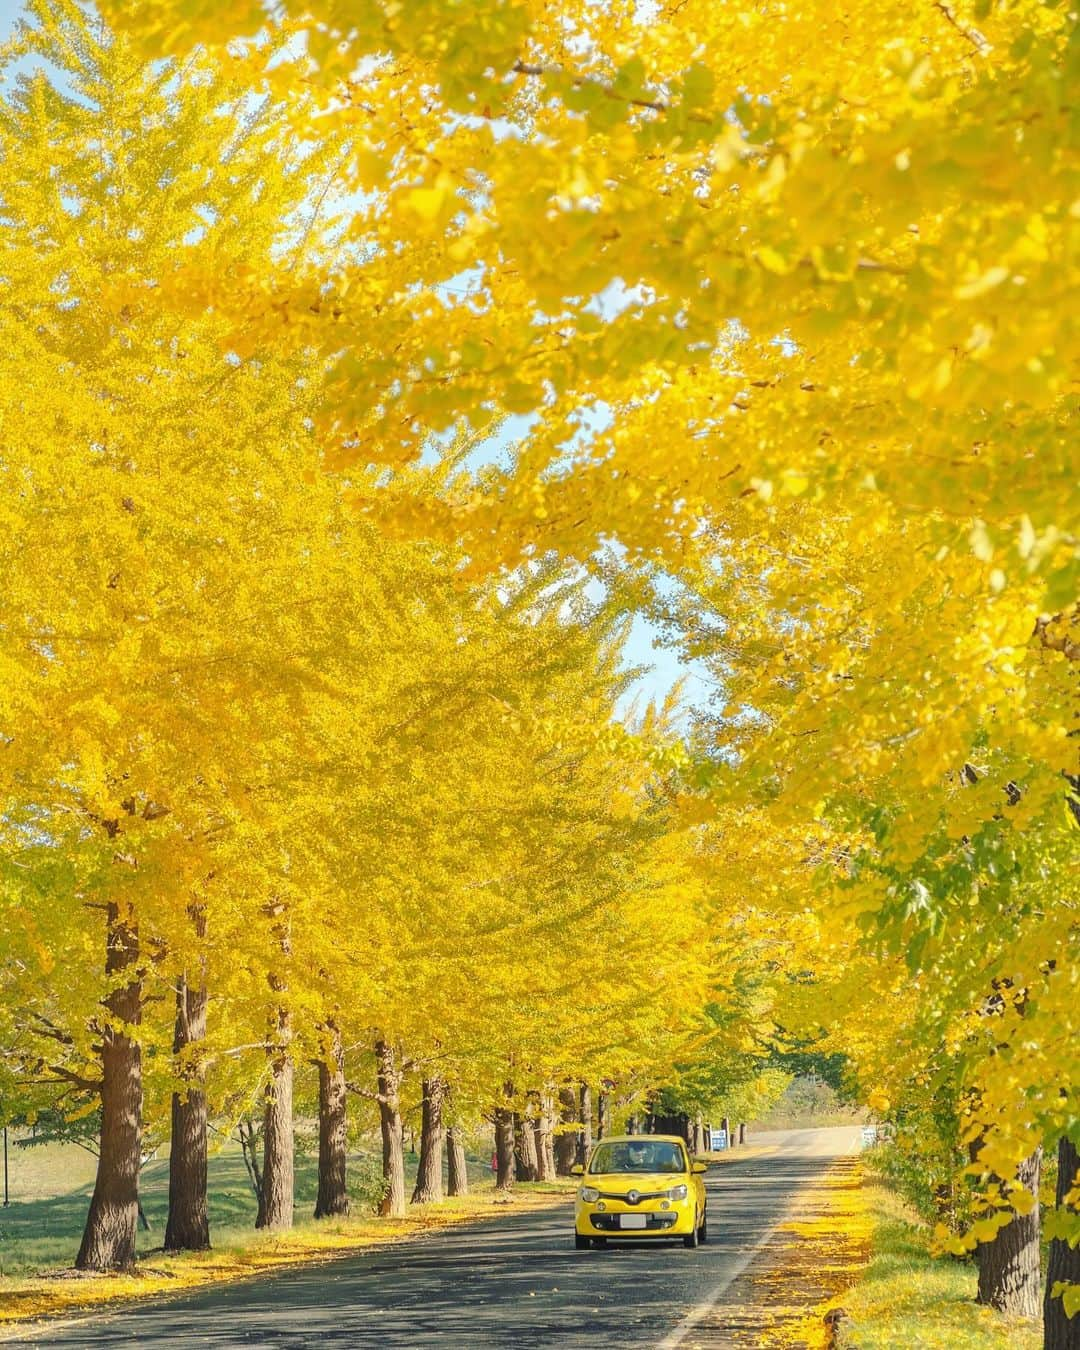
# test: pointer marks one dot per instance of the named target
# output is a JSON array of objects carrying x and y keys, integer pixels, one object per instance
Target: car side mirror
[
  {"x": 577, "y": 1170},
  {"x": 699, "y": 1167}
]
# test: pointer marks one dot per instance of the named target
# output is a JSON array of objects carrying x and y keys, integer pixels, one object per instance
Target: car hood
[{"x": 645, "y": 1182}]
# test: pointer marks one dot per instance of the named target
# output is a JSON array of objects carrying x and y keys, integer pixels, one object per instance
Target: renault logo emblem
[{"x": 633, "y": 1196}]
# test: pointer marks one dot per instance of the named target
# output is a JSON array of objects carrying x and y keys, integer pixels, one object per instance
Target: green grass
[
  {"x": 906, "y": 1297},
  {"x": 51, "y": 1184},
  {"x": 51, "y": 1187}
]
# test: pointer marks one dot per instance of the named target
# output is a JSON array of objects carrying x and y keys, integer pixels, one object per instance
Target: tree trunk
[
  {"x": 333, "y": 1197},
  {"x": 603, "y": 1114},
  {"x": 1009, "y": 1274},
  {"x": 700, "y": 1144},
  {"x": 504, "y": 1144},
  {"x": 457, "y": 1179},
  {"x": 392, "y": 1204},
  {"x": 188, "y": 1226},
  {"x": 585, "y": 1137},
  {"x": 742, "y": 1132},
  {"x": 429, "y": 1176},
  {"x": 1061, "y": 1332},
  {"x": 545, "y": 1151},
  {"x": 109, "y": 1237},
  {"x": 525, "y": 1149},
  {"x": 248, "y": 1147},
  {"x": 565, "y": 1145},
  {"x": 276, "y": 1200}
]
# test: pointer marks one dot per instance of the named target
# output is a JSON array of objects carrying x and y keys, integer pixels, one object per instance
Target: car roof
[{"x": 642, "y": 1139}]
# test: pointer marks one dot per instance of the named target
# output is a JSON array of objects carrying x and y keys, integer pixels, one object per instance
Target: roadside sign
[
  {"x": 869, "y": 1136},
  {"x": 717, "y": 1140}
]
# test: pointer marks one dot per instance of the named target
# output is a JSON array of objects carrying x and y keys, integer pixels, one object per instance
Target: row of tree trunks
[
  {"x": 678, "y": 1124},
  {"x": 108, "y": 1241},
  {"x": 429, "y": 1174}
]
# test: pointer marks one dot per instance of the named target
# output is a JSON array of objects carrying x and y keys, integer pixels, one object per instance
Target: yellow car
[{"x": 639, "y": 1186}]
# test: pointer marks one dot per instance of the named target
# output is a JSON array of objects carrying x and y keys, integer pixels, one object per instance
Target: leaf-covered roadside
[{"x": 908, "y": 1297}]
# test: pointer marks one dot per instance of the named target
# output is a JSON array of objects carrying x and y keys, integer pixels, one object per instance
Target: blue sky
[
  {"x": 665, "y": 667},
  {"x": 9, "y": 12}
]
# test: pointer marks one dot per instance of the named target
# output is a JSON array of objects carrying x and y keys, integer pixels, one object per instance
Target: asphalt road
[{"x": 515, "y": 1281}]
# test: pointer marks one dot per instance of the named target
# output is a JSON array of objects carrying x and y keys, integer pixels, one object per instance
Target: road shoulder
[{"x": 789, "y": 1282}]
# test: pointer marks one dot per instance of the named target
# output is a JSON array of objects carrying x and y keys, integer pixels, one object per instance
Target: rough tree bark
[
  {"x": 526, "y": 1167},
  {"x": 584, "y": 1141},
  {"x": 429, "y": 1175},
  {"x": 545, "y": 1149},
  {"x": 249, "y": 1148},
  {"x": 457, "y": 1174},
  {"x": 1009, "y": 1274},
  {"x": 392, "y": 1204},
  {"x": 603, "y": 1114},
  {"x": 276, "y": 1199},
  {"x": 188, "y": 1226},
  {"x": 504, "y": 1143},
  {"x": 333, "y": 1197},
  {"x": 1061, "y": 1332},
  {"x": 108, "y": 1241},
  {"x": 565, "y": 1145}
]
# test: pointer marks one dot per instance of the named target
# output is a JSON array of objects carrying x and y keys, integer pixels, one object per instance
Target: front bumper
[
  {"x": 654, "y": 1223},
  {"x": 677, "y": 1221}
]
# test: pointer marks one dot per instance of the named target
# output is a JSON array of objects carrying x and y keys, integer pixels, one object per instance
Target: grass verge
[
  {"x": 906, "y": 1297},
  {"x": 40, "y": 1233},
  {"x": 39, "y": 1236}
]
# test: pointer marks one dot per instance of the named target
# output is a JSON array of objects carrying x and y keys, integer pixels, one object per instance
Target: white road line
[{"x": 694, "y": 1316}]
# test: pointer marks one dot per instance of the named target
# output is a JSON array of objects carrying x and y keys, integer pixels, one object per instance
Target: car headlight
[
  {"x": 678, "y": 1193},
  {"x": 589, "y": 1194}
]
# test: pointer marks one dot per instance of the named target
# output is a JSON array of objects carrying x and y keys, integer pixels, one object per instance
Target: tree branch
[{"x": 1056, "y": 642}]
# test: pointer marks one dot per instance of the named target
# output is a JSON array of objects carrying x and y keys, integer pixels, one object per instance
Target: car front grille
[
  {"x": 609, "y": 1223},
  {"x": 639, "y": 1196}
]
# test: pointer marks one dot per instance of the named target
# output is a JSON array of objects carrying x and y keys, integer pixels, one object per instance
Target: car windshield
[{"x": 638, "y": 1155}]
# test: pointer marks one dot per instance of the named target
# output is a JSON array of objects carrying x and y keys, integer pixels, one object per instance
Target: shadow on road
[{"x": 515, "y": 1281}]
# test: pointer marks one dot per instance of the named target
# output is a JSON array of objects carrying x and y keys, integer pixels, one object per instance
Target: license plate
[{"x": 633, "y": 1221}]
